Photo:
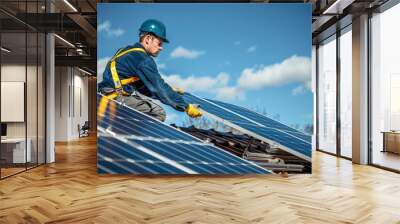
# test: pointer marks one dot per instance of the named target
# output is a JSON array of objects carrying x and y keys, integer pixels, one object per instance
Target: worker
[{"x": 132, "y": 78}]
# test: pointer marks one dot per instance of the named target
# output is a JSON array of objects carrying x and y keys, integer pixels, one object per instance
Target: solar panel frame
[
  {"x": 138, "y": 141},
  {"x": 305, "y": 156}
]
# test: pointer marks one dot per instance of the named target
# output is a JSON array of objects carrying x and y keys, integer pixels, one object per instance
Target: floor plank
[{"x": 70, "y": 191}]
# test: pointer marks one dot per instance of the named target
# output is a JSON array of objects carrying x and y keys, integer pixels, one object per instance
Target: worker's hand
[
  {"x": 193, "y": 111},
  {"x": 178, "y": 90}
]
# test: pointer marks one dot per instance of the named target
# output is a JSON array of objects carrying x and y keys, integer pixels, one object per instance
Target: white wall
[
  {"x": 33, "y": 126},
  {"x": 61, "y": 103},
  {"x": 80, "y": 108},
  {"x": 12, "y": 101},
  {"x": 14, "y": 72},
  {"x": 71, "y": 94}
]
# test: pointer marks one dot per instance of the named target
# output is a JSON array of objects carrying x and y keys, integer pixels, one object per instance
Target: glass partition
[
  {"x": 41, "y": 97},
  {"x": 33, "y": 63},
  {"x": 22, "y": 90},
  {"x": 31, "y": 97},
  {"x": 14, "y": 153}
]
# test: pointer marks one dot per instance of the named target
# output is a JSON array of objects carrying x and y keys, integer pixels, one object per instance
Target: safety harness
[{"x": 119, "y": 90}]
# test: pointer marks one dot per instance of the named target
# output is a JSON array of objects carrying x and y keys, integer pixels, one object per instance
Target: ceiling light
[
  {"x": 70, "y": 5},
  {"x": 5, "y": 50},
  {"x": 84, "y": 71},
  {"x": 338, "y": 6},
  {"x": 64, "y": 40}
]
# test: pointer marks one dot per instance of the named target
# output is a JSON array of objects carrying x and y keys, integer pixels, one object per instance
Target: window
[
  {"x": 327, "y": 95},
  {"x": 385, "y": 88},
  {"x": 346, "y": 92}
]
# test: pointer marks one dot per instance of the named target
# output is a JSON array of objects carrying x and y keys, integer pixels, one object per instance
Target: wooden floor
[
  {"x": 386, "y": 159},
  {"x": 10, "y": 171},
  {"x": 70, "y": 191}
]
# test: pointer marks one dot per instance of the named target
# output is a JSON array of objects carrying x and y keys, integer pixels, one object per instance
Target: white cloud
[
  {"x": 230, "y": 93},
  {"x": 307, "y": 84},
  {"x": 181, "y": 52},
  {"x": 217, "y": 85},
  {"x": 252, "y": 49},
  {"x": 298, "y": 90},
  {"x": 292, "y": 69},
  {"x": 302, "y": 88},
  {"x": 101, "y": 65},
  {"x": 237, "y": 42},
  {"x": 106, "y": 27},
  {"x": 198, "y": 83}
]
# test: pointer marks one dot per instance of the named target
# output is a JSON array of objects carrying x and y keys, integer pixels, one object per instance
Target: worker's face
[{"x": 154, "y": 45}]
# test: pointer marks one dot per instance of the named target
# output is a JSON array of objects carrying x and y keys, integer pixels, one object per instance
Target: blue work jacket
[{"x": 142, "y": 65}]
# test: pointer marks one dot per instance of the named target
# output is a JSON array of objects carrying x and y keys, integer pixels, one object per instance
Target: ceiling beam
[
  {"x": 81, "y": 61},
  {"x": 86, "y": 26}
]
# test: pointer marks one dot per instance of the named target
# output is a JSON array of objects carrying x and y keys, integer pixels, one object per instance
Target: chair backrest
[{"x": 86, "y": 125}]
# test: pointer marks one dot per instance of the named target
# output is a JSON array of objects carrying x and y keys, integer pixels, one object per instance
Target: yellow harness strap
[
  {"x": 121, "y": 53},
  {"x": 117, "y": 82},
  {"x": 129, "y": 80}
]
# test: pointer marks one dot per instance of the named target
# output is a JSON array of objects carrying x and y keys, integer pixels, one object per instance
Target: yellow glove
[
  {"x": 178, "y": 90},
  {"x": 193, "y": 111}
]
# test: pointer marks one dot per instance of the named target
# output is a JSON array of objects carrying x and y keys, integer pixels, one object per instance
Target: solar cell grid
[
  {"x": 126, "y": 121},
  {"x": 262, "y": 119},
  {"x": 131, "y": 142},
  {"x": 302, "y": 136},
  {"x": 256, "y": 125},
  {"x": 294, "y": 145},
  {"x": 116, "y": 155},
  {"x": 212, "y": 109},
  {"x": 204, "y": 159}
]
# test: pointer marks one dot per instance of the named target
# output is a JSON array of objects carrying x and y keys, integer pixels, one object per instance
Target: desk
[
  {"x": 391, "y": 141},
  {"x": 16, "y": 148}
]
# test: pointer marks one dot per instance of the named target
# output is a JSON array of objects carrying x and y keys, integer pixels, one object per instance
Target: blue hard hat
[{"x": 155, "y": 27}]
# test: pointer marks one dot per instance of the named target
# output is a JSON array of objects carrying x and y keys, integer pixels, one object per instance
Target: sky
[{"x": 254, "y": 55}]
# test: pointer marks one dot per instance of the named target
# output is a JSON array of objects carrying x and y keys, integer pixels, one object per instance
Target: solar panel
[
  {"x": 130, "y": 142},
  {"x": 256, "y": 125},
  {"x": 263, "y": 120},
  {"x": 125, "y": 121}
]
